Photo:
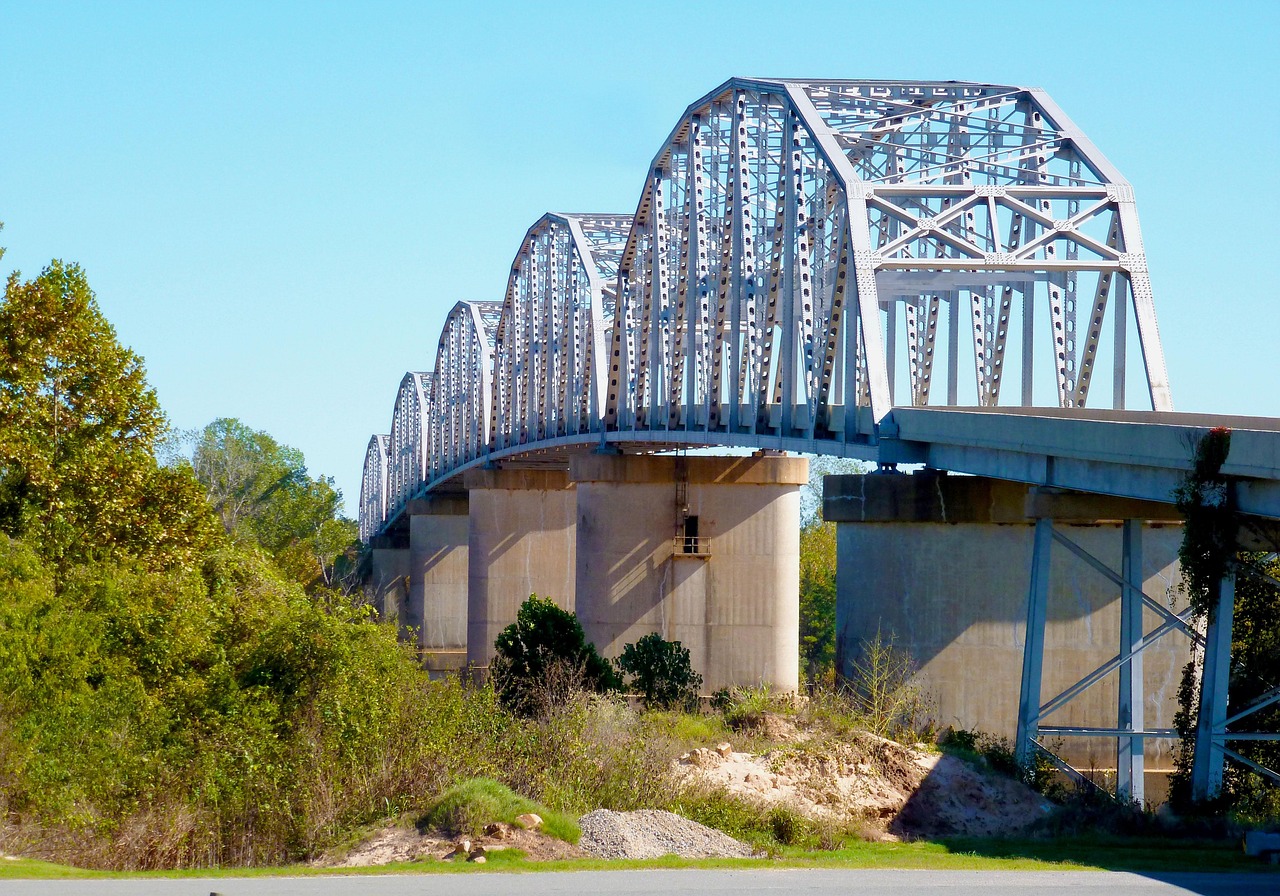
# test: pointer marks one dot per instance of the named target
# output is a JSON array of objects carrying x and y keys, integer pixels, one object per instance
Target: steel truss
[{"x": 804, "y": 255}]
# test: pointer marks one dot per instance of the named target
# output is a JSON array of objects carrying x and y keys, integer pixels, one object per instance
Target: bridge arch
[
  {"x": 560, "y": 298},
  {"x": 790, "y": 233},
  {"x": 407, "y": 444},
  {"x": 463, "y": 386},
  {"x": 373, "y": 488}
]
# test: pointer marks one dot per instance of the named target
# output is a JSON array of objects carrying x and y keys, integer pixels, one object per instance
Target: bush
[
  {"x": 467, "y": 807},
  {"x": 543, "y": 659},
  {"x": 660, "y": 670}
]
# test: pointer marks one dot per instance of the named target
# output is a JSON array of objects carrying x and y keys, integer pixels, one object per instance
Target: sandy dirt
[
  {"x": 404, "y": 843},
  {"x": 902, "y": 791}
]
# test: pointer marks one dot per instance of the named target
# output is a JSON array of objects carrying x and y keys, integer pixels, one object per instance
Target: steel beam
[
  {"x": 1033, "y": 643},
  {"x": 1129, "y": 750},
  {"x": 1206, "y": 768}
]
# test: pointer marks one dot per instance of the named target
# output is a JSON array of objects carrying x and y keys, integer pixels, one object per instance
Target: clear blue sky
[{"x": 277, "y": 203}]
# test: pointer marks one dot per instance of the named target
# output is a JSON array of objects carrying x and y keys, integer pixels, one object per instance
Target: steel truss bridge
[{"x": 946, "y": 273}]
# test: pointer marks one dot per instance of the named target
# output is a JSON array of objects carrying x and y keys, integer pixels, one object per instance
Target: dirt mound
[
  {"x": 406, "y": 844},
  {"x": 651, "y": 834},
  {"x": 905, "y": 791}
]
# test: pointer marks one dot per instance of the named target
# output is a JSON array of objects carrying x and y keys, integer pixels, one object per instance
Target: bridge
[{"x": 947, "y": 274}]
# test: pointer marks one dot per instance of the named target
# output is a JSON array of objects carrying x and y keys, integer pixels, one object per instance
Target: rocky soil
[{"x": 651, "y": 834}]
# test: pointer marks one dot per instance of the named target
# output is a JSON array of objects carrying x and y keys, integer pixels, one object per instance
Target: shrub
[
  {"x": 881, "y": 690},
  {"x": 467, "y": 807},
  {"x": 543, "y": 658},
  {"x": 660, "y": 670}
]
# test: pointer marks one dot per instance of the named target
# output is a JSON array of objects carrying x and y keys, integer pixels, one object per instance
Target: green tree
[
  {"x": 543, "y": 658},
  {"x": 662, "y": 672},
  {"x": 818, "y": 573},
  {"x": 78, "y": 430},
  {"x": 818, "y": 601},
  {"x": 262, "y": 492}
]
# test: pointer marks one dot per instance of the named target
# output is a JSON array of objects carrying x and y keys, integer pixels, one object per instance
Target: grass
[
  {"x": 958, "y": 854},
  {"x": 467, "y": 807}
]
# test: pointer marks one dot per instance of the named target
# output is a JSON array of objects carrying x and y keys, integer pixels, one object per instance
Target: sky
[{"x": 277, "y": 204}]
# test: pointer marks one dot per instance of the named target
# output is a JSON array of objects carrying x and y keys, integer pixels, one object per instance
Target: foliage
[
  {"x": 543, "y": 658},
  {"x": 744, "y": 708},
  {"x": 1209, "y": 553},
  {"x": 261, "y": 492},
  {"x": 818, "y": 602},
  {"x": 78, "y": 431},
  {"x": 1255, "y": 667},
  {"x": 661, "y": 671},
  {"x": 881, "y": 690},
  {"x": 466, "y": 807},
  {"x": 1209, "y": 528}
]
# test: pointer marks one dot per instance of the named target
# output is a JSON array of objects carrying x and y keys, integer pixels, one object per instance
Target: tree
[
  {"x": 818, "y": 601},
  {"x": 262, "y": 492},
  {"x": 661, "y": 671},
  {"x": 818, "y": 573},
  {"x": 543, "y": 658},
  {"x": 78, "y": 431}
]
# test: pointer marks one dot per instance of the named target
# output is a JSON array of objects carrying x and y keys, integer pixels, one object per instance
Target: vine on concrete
[
  {"x": 1206, "y": 555},
  {"x": 1204, "y": 499}
]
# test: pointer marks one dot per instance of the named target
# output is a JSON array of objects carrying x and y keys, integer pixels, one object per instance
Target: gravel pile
[{"x": 649, "y": 834}]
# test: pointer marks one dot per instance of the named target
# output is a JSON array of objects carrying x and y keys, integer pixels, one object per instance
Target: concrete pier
[
  {"x": 703, "y": 550},
  {"x": 436, "y": 608},
  {"x": 388, "y": 589},
  {"x": 520, "y": 542},
  {"x": 941, "y": 564}
]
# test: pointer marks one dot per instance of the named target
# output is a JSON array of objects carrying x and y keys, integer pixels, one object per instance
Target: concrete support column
[
  {"x": 437, "y": 599},
  {"x": 701, "y": 550},
  {"x": 955, "y": 569},
  {"x": 389, "y": 584},
  {"x": 520, "y": 542}
]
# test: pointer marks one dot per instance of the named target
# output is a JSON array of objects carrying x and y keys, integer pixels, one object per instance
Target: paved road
[{"x": 671, "y": 883}]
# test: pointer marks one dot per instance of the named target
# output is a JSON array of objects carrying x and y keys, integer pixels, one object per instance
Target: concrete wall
[
  {"x": 736, "y": 606},
  {"x": 521, "y": 541},
  {"x": 437, "y": 600},
  {"x": 954, "y": 594}
]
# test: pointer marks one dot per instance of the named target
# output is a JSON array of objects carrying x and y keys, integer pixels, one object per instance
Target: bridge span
[{"x": 946, "y": 274}]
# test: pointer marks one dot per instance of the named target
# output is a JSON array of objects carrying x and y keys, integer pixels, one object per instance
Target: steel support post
[
  {"x": 1206, "y": 768},
  {"x": 1129, "y": 750},
  {"x": 1033, "y": 644}
]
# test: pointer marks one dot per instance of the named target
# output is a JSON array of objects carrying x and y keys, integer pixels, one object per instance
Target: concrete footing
[
  {"x": 703, "y": 550},
  {"x": 940, "y": 565},
  {"x": 521, "y": 541}
]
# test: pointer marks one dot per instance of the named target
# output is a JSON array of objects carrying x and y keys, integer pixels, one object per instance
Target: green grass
[
  {"x": 967, "y": 854},
  {"x": 467, "y": 807}
]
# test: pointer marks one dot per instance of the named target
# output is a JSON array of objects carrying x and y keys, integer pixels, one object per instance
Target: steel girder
[
  {"x": 561, "y": 295},
  {"x": 794, "y": 240},
  {"x": 373, "y": 488}
]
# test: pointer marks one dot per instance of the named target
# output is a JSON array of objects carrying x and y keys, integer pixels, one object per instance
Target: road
[{"x": 674, "y": 882}]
